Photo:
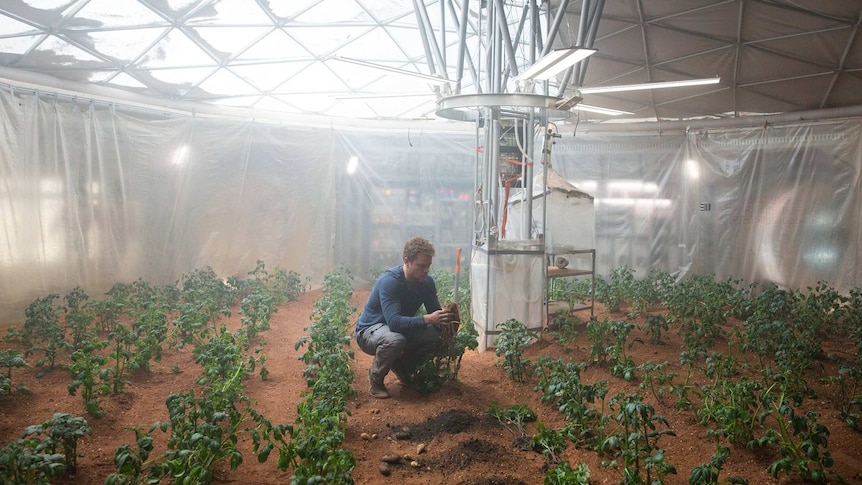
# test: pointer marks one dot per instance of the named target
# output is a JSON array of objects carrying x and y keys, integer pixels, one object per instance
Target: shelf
[{"x": 555, "y": 272}]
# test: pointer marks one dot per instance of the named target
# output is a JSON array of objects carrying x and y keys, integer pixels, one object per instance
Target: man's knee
[{"x": 393, "y": 340}]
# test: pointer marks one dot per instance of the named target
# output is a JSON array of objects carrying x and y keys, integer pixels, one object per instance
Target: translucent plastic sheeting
[
  {"x": 775, "y": 203},
  {"x": 93, "y": 193}
]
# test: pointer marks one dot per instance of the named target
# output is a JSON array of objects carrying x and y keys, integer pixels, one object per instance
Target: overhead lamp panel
[
  {"x": 555, "y": 62},
  {"x": 658, "y": 85}
]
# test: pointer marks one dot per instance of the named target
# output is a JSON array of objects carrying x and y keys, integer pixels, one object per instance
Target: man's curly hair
[{"x": 416, "y": 246}]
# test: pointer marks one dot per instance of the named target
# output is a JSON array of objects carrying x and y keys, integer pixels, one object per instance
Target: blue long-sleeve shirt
[{"x": 395, "y": 302}]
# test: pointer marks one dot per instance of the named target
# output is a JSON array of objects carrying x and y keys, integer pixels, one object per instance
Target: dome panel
[
  {"x": 124, "y": 45},
  {"x": 334, "y": 12},
  {"x": 175, "y": 50},
  {"x": 99, "y": 14},
  {"x": 231, "y": 12}
]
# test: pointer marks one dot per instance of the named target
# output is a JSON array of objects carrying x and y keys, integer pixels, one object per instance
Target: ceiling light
[
  {"x": 601, "y": 111},
  {"x": 659, "y": 85},
  {"x": 555, "y": 62},
  {"x": 427, "y": 77},
  {"x": 424, "y": 94}
]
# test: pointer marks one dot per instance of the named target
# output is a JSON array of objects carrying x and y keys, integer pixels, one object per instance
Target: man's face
[{"x": 415, "y": 271}]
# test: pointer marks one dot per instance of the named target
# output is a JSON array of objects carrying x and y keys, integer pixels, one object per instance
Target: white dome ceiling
[{"x": 773, "y": 56}]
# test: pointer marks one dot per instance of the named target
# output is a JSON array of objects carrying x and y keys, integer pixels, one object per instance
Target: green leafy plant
[
  {"x": 656, "y": 378},
  {"x": 612, "y": 294},
  {"x": 650, "y": 291},
  {"x": 802, "y": 442},
  {"x": 549, "y": 442},
  {"x": 42, "y": 331},
  {"x": 132, "y": 464},
  {"x": 699, "y": 306},
  {"x": 513, "y": 417},
  {"x": 121, "y": 357},
  {"x": 204, "y": 299},
  {"x": 849, "y": 384},
  {"x": 9, "y": 359},
  {"x": 560, "y": 383},
  {"x": 78, "y": 317},
  {"x": 203, "y": 433},
  {"x": 63, "y": 431},
  {"x": 634, "y": 448},
  {"x": 622, "y": 364},
  {"x": 709, "y": 473},
  {"x": 735, "y": 407},
  {"x": 108, "y": 312},
  {"x": 564, "y": 474},
  {"x": 601, "y": 340},
  {"x": 151, "y": 329},
  {"x": 685, "y": 390},
  {"x": 514, "y": 339},
  {"x": 564, "y": 327},
  {"x": 287, "y": 285},
  {"x": 654, "y": 327},
  {"x": 26, "y": 461},
  {"x": 86, "y": 367}
]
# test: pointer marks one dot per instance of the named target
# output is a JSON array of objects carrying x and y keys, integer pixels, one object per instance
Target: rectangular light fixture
[
  {"x": 555, "y": 62},
  {"x": 600, "y": 110},
  {"x": 395, "y": 70},
  {"x": 424, "y": 94},
  {"x": 658, "y": 85}
]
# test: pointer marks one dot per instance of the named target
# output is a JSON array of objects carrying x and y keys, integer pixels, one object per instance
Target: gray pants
[{"x": 401, "y": 351}]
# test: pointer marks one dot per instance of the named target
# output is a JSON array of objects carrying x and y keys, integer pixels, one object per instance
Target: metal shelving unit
[{"x": 584, "y": 264}]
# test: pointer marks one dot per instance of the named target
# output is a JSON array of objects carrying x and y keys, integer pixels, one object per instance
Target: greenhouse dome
[
  {"x": 273, "y": 241},
  {"x": 146, "y": 138}
]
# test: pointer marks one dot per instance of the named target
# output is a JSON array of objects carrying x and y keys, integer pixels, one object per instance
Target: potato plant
[
  {"x": 709, "y": 473},
  {"x": 42, "y": 331},
  {"x": 510, "y": 345},
  {"x": 151, "y": 330},
  {"x": 634, "y": 446},
  {"x": 45, "y": 451},
  {"x": 550, "y": 442},
  {"x": 204, "y": 299},
  {"x": 63, "y": 431},
  {"x": 26, "y": 461},
  {"x": 560, "y": 383},
  {"x": 89, "y": 375},
  {"x": 444, "y": 363},
  {"x": 9, "y": 359},
  {"x": 79, "y": 318},
  {"x": 514, "y": 417},
  {"x": 802, "y": 442},
  {"x": 564, "y": 474}
]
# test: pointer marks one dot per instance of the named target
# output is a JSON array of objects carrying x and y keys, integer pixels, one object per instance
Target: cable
[{"x": 577, "y": 122}]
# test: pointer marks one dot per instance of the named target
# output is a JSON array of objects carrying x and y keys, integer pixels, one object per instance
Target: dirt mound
[{"x": 449, "y": 422}]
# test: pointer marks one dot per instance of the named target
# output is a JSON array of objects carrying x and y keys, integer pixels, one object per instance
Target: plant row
[
  {"x": 751, "y": 393},
  {"x": 206, "y": 422},
  {"x": 315, "y": 452},
  {"x": 102, "y": 343}
]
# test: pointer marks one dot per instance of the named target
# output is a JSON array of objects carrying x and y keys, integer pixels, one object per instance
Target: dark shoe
[{"x": 377, "y": 390}]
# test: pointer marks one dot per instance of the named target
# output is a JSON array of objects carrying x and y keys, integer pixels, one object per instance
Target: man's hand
[{"x": 440, "y": 317}]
